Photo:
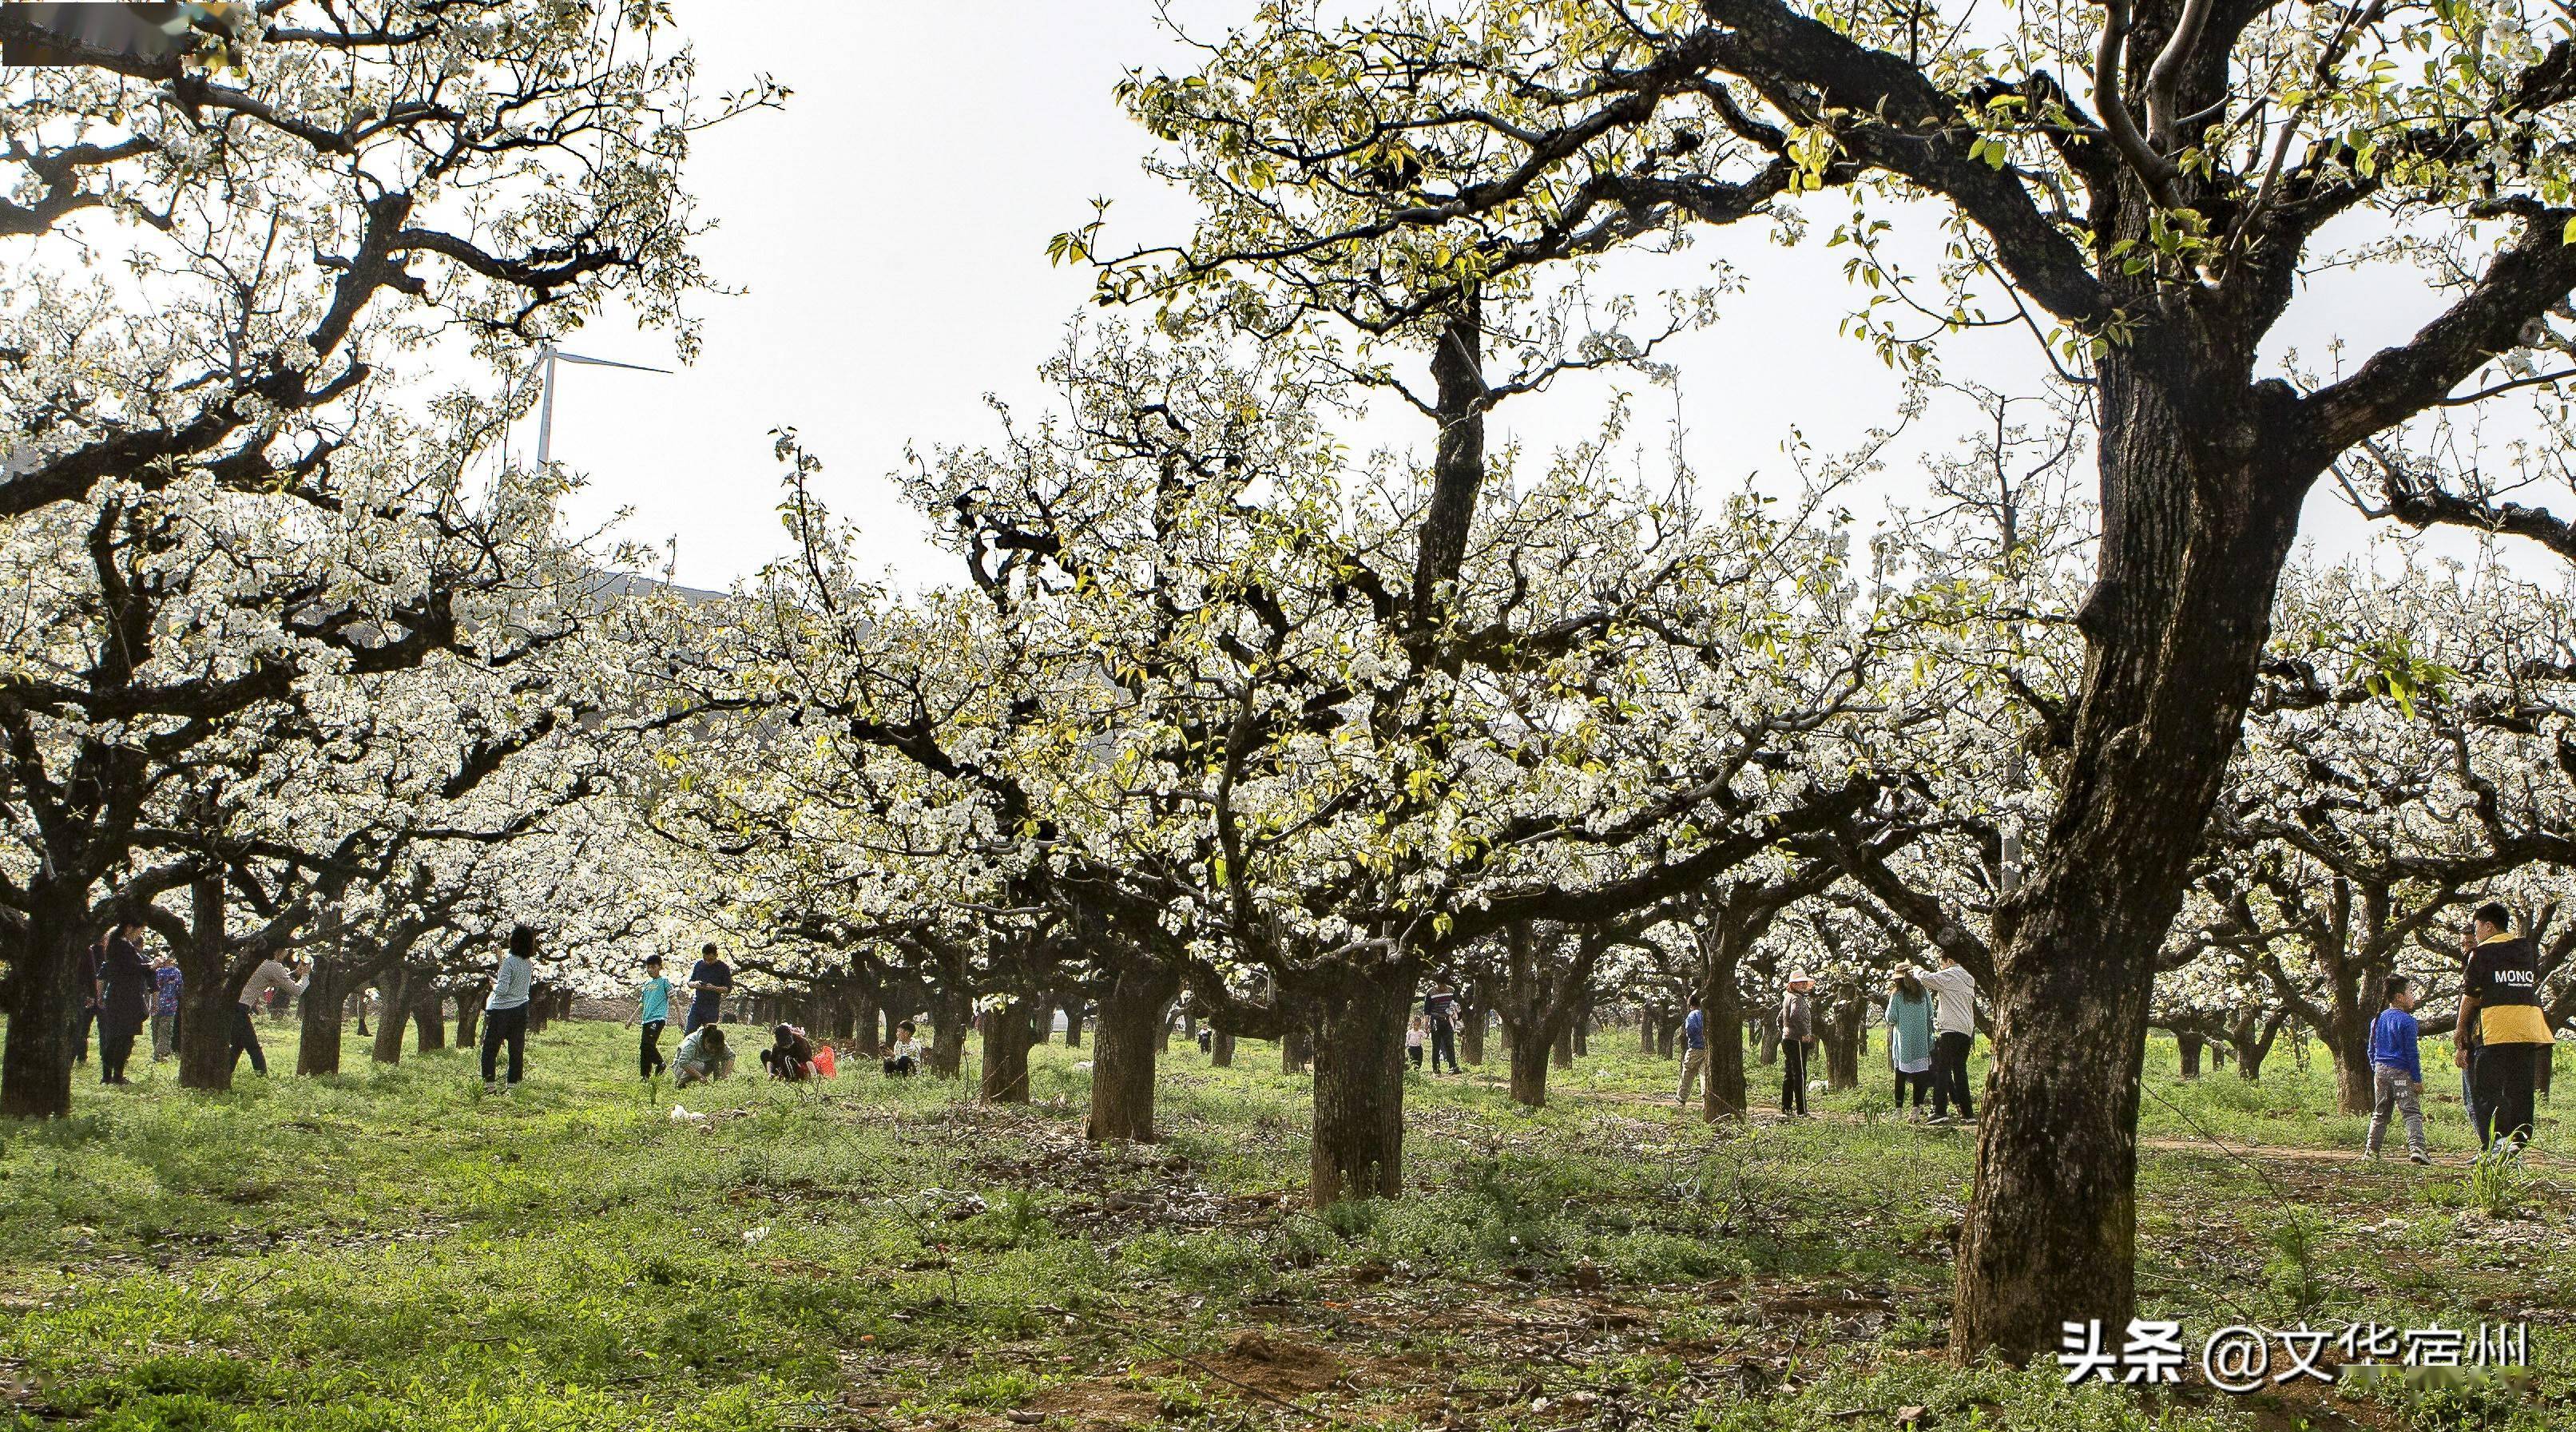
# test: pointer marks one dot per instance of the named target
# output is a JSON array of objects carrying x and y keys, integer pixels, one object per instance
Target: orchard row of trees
[{"x": 1216, "y": 706}]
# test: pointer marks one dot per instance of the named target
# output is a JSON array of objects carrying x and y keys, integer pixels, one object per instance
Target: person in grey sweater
[{"x": 505, "y": 1010}]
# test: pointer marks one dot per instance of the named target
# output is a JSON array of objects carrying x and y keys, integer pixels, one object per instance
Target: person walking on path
[
  {"x": 2500, "y": 999},
  {"x": 1797, "y": 1036},
  {"x": 710, "y": 980},
  {"x": 1441, "y": 1008},
  {"x": 1909, "y": 1037},
  {"x": 1694, "y": 1051},
  {"x": 267, "y": 977},
  {"x": 2396, "y": 1070},
  {"x": 124, "y": 999},
  {"x": 505, "y": 1009},
  {"x": 1954, "y": 1035},
  {"x": 167, "y": 983},
  {"x": 653, "y": 1011}
]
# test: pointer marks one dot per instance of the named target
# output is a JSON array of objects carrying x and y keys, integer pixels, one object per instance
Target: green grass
[{"x": 389, "y": 1249}]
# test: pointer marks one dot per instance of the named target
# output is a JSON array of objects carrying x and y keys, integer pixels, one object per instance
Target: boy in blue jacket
[{"x": 2396, "y": 1070}]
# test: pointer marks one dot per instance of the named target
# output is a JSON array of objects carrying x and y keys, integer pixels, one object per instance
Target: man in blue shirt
[
  {"x": 505, "y": 1010},
  {"x": 710, "y": 980},
  {"x": 653, "y": 1011},
  {"x": 1694, "y": 1051}
]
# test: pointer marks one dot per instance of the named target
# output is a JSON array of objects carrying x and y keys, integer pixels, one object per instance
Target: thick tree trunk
[
  {"x": 1358, "y": 1149},
  {"x": 1562, "y": 1046},
  {"x": 469, "y": 1014},
  {"x": 1009, "y": 1033},
  {"x": 1845, "y": 1039},
  {"x": 1471, "y": 1034},
  {"x": 206, "y": 993},
  {"x": 429, "y": 1018},
  {"x": 2349, "y": 1042},
  {"x": 1768, "y": 1040},
  {"x": 1646, "y": 1031},
  {"x": 1220, "y": 1050},
  {"x": 394, "y": 1001},
  {"x": 36, "y": 1062},
  {"x": 1722, "y": 1019},
  {"x": 2250, "y": 1054},
  {"x": 863, "y": 1024},
  {"x": 1073, "y": 1025},
  {"x": 326, "y": 996},
  {"x": 1582, "y": 1046},
  {"x": 1296, "y": 1049},
  {"x": 2194, "y": 535},
  {"x": 1530, "y": 1058},
  {"x": 1668, "y": 1028},
  {"x": 951, "y": 1015},
  {"x": 1123, "y": 1054}
]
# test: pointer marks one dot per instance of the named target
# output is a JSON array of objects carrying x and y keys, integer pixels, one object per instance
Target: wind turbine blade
[{"x": 606, "y": 363}]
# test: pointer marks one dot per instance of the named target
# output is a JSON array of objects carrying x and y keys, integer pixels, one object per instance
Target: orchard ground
[{"x": 389, "y": 1249}]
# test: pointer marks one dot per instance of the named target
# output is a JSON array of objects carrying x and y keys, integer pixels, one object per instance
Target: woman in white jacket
[{"x": 1954, "y": 1034}]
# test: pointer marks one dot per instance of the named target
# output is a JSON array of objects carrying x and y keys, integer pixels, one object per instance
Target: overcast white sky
[{"x": 890, "y": 228}]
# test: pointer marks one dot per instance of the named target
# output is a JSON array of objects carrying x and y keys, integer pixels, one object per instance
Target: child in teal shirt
[{"x": 653, "y": 1010}]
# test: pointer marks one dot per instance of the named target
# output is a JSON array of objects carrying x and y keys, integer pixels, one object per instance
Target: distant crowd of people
[
  {"x": 2500, "y": 1037},
  {"x": 123, "y": 992},
  {"x": 704, "y": 1054},
  {"x": 1931, "y": 1019},
  {"x": 2500, "y": 1042}
]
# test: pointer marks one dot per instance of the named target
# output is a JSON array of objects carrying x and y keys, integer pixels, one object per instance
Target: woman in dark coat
[{"x": 125, "y": 1000}]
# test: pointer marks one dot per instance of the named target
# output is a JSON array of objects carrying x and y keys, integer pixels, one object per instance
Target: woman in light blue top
[{"x": 1909, "y": 1036}]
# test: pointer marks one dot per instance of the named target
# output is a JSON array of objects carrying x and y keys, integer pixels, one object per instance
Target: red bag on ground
[{"x": 823, "y": 1061}]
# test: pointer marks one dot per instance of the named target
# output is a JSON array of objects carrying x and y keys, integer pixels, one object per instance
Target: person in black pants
[
  {"x": 653, "y": 1010},
  {"x": 505, "y": 1009},
  {"x": 1441, "y": 1008},
  {"x": 125, "y": 1000},
  {"x": 1950, "y": 1073},
  {"x": 2500, "y": 1001}
]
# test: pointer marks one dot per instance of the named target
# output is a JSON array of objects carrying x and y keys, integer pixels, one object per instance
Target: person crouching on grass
[
  {"x": 702, "y": 1056},
  {"x": 2397, "y": 1070},
  {"x": 905, "y": 1057},
  {"x": 790, "y": 1055}
]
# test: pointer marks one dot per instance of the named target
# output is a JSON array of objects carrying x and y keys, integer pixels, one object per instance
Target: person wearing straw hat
[{"x": 1797, "y": 1036}]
